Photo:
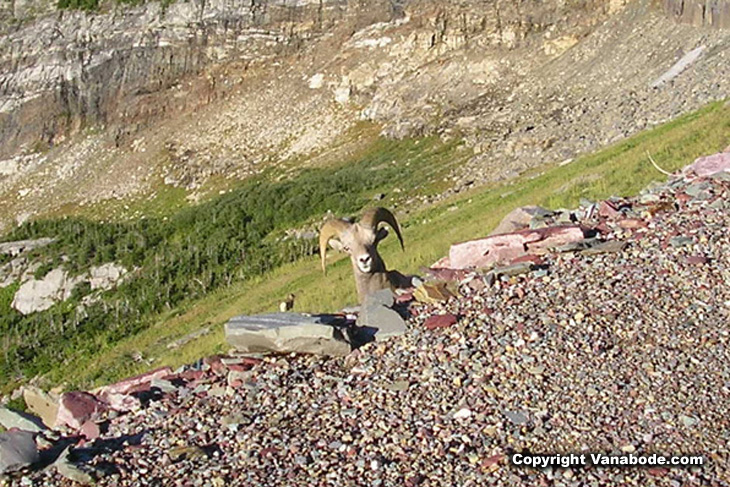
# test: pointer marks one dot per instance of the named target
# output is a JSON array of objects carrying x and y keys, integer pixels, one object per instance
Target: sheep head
[{"x": 359, "y": 240}]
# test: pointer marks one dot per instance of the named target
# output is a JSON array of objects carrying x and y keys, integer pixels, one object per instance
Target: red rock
[
  {"x": 134, "y": 384},
  {"x": 631, "y": 223},
  {"x": 192, "y": 375},
  {"x": 440, "y": 321},
  {"x": 697, "y": 260},
  {"x": 608, "y": 210},
  {"x": 603, "y": 228},
  {"x": 90, "y": 430},
  {"x": 709, "y": 165},
  {"x": 76, "y": 408}
]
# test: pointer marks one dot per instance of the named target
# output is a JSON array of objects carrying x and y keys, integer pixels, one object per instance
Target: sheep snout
[{"x": 365, "y": 263}]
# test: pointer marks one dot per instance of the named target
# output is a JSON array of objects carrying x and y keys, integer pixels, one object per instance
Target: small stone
[
  {"x": 680, "y": 241},
  {"x": 517, "y": 417},
  {"x": 397, "y": 386},
  {"x": 186, "y": 452},
  {"x": 440, "y": 321},
  {"x": 462, "y": 413},
  {"x": 688, "y": 421}
]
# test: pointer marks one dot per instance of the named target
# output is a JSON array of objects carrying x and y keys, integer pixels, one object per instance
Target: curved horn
[
  {"x": 331, "y": 228},
  {"x": 374, "y": 216}
]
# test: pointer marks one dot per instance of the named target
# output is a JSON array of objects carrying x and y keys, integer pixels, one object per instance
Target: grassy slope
[{"x": 622, "y": 169}]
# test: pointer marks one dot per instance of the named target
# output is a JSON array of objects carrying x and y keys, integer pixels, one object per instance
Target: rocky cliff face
[
  {"x": 72, "y": 69},
  {"x": 111, "y": 105},
  {"x": 713, "y": 13}
]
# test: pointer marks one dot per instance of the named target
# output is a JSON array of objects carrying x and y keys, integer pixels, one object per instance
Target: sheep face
[
  {"x": 361, "y": 244},
  {"x": 360, "y": 240}
]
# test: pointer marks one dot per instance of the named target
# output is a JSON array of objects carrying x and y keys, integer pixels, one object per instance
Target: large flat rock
[
  {"x": 288, "y": 332},
  {"x": 378, "y": 316}
]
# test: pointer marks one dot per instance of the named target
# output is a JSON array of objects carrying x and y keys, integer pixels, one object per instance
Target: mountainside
[
  {"x": 130, "y": 103},
  {"x": 616, "y": 345}
]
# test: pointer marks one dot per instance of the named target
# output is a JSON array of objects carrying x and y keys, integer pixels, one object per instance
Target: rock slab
[
  {"x": 507, "y": 247},
  {"x": 287, "y": 333},
  {"x": 14, "y": 419},
  {"x": 42, "y": 404},
  {"x": 76, "y": 408},
  {"x": 377, "y": 314}
]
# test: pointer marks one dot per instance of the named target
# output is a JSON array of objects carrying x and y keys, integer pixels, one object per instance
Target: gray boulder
[
  {"x": 40, "y": 294},
  {"x": 378, "y": 316},
  {"x": 289, "y": 332},
  {"x": 17, "y": 450}
]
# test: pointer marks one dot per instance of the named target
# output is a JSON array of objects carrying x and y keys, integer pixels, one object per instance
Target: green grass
[
  {"x": 622, "y": 169},
  {"x": 195, "y": 251}
]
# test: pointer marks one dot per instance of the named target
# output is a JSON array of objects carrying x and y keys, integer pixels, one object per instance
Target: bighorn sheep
[{"x": 360, "y": 240}]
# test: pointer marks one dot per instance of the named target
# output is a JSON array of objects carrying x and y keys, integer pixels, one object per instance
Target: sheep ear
[
  {"x": 382, "y": 233},
  {"x": 336, "y": 244}
]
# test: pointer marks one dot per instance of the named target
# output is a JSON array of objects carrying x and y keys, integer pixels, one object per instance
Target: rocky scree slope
[
  {"x": 123, "y": 103},
  {"x": 588, "y": 348}
]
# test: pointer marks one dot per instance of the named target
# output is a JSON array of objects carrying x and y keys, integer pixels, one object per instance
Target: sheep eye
[{"x": 346, "y": 249}]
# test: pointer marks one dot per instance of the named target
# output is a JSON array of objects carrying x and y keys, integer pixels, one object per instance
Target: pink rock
[
  {"x": 215, "y": 364},
  {"x": 444, "y": 274},
  {"x": 697, "y": 260},
  {"x": 440, "y": 321},
  {"x": 90, "y": 430},
  {"x": 404, "y": 298},
  {"x": 121, "y": 402},
  {"x": 508, "y": 247},
  {"x": 76, "y": 408},
  {"x": 487, "y": 251},
  {"x": 709, "y": 165},
  {"x": 493, "y": 460},
  {"x": 631, "y": 223},
  {"x": 554, "y": 237},
  {"x": 134, "y": 384},
  {"x": 535, "y": 259},
  {"x": 607, "y": 210}
]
